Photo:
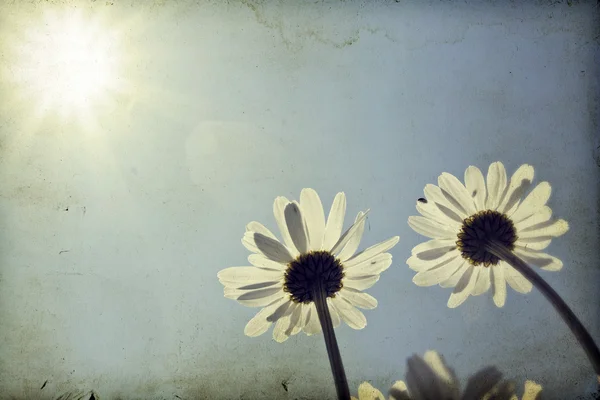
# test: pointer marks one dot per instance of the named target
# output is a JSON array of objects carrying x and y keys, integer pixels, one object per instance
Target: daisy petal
[
  {"x": 260, "y": 297},
  {"x": 350, "y": 234},
  {"x": 358, "y": 298},
  {"x": 350, "y": 314},
  {"x": 496, "y": 184},
  {"x": 451, "y": 185},
  {"x": 532, "y": 203},
  {"x": 281, "y": 311},
  {"x": 539, "y": 259},
  {"x": 368, "y": 392},
  {"x": 534, "y": 243},
  {"x": 432, "y": 211},
  {"x": 260, "y": 228},
  {"x": 464, "y": 287},
  {"x": 312, "y": 325},
  {"x": 433, "y": 249},
  {"x": 312, "y": 209},
  {"x": 270, "y": 248},
  {"x": 431, "y": 229},
  {"x": 516, "y": 280},
  {"x": 279, "y": 206},
  {"x": 475, "y": 185},
  {"x": 543, "y": 215},
  {"x": 399, "y": 391},
  {"x": 335, "y": 221},
  {"x": 532, "y": 391},
  {"x": 374, "y": 266},
  {"x": 439, "y": 274},
  {"x": 546, "y": 229},
  {"x": 295, "y": 321},
  {"x": 295, "y": 225},
  {"x": 416, "y": 264},
  {"x": 519, "y": 184},
  {"x": 445, "y": 203},
  {"x": 281, "y": 327},
  {"x": 350, "y": 248},
  {"x": 259, "y": 261},
  {"x": 483, "y": 282},
  {"x": 497, "y": 277},
  {"x": 333, "y": 312},
  {"x": 372, "y": 251},
  {"x": 361, "y": 283},
  {"x": 240, "y": 276},
  {"x": 259, "y": 324},
  {"x": 453, "y": 280}
]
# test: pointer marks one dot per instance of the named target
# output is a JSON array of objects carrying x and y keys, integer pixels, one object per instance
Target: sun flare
[{"x": 66, "y": 65}]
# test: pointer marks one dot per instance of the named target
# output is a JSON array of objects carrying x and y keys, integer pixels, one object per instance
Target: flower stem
[
  {"x": 335, "y": 358},
  {"x": 582, "y": 335}
]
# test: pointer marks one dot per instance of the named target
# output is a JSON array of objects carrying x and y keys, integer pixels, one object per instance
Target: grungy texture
[{"x": 116, "y": 223}]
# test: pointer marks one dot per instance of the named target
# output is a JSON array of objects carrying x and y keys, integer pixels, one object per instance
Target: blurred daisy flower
[
  {"x": 314, "y": 256},
  {"x": 462, "y": 218},
  {"x": 429, "y": 378}
]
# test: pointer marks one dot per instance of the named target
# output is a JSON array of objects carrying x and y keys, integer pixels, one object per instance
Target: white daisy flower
[
  {"x": 429, "y": 378},
  {"x": 313, "y": 255},
  {"x": 461, "y": 219}
]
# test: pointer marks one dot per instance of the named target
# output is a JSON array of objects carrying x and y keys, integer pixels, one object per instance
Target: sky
[{"x": 137, "y": 140}]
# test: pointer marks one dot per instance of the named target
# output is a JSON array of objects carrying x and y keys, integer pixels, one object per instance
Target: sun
[{"x": 66, "y": 65}]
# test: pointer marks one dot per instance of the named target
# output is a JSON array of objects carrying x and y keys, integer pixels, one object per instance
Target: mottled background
[{"x": 116, "y": 220}]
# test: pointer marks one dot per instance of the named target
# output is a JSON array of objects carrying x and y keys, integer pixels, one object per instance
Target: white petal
[
  {"x": 350, "y": 234},
  {"x": 361, "y": 283},
  {"x": 542, "y": 215},
  {"x": 547, "y": 229},
  {"x": 241, "y": 276},
  {"x": 446, "y": 204},
  {"x": 374, "y": 266},
  {"x": 419, "y": 265},
  {"x": 453, "y": 280},
  {"x": 281, "y": 327},
  {"x": 483, "y": 281},
  {"x": 439, "y": 274},
  {"x": 532, "y": 203},
  {"x": 496, "y": 184},
  {"x": 260, "y": 261},
  {"x": 433, "y": 212},
  {"x": 435, "y": 361},
  {"x": 451, "y": 185},
  {"x": 260, "y": 228},
  {"x": 475, "y": 184},
  {"x": 259, "y": 324},
  {"x": 350, "y": 314},
  {"x": 333, "y": 312},
  {"x": 433, "y": 249},
  {"x": 312, "y": 325},
  {"x": 516, "y": 281},
  {"x": 335, "y": 221},
  {"x": 372, "y": 251},
  {"x": 539, "y": 259},
  {"x": 534, "y": 243},
  {"x": 497, "y": 275},
  {"x": 358, "y": 298},
  {"x": 431, "y": 229},
  {"x": 312, "y": 209},
  {"x": 399, "y": 391},
  {"x": 368, "y": 392},
  {"x": 464, "y": 287},
  {"x": 295, "y": 225},
  {"x": 519, "y": 184},
  {"x": 350, "y": 248},
  {"x": 281, "y": 311},
  {"x": 260, "y": 297},
  {"x": 271, "y": 248},
  {"x": 279, "y": 212},
  {"x": 295, "y": 320}
]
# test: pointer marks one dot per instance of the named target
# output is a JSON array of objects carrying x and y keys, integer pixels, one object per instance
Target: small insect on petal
[{"x": 422, "y": 200}]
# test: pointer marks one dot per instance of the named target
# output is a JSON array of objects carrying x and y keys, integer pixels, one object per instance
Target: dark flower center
[
  {"x": 481, "y": 228},
  {"x": 310, "y": 271}
]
